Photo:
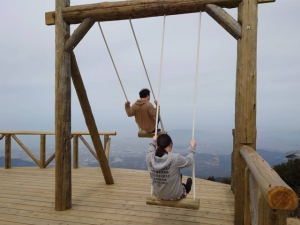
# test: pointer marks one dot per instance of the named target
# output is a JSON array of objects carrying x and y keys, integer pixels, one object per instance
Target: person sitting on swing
[
  {"x": 164, "y": 168},
  {"x": 143, "y": 111}
]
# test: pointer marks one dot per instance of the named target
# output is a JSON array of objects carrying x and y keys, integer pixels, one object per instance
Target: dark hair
[
  {"x": 144, "y": 93},
  {"x": 163, "y": 141}
]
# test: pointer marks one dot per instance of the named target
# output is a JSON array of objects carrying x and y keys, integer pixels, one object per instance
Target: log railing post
[
  {"x": 7, "y": 151},
  {"x": 42, "y": 150},
  {"x": 75, "y": 151},
  {"x": 247, "y": 214},
  {"x": 63, "y": 185},
  {"x": 107, "y": 146},
  {"x": 245, "y": 99},
  {"x": 232, "y": 164}
]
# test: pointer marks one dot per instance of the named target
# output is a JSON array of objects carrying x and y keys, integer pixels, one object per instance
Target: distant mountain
[
  {"x": 217, "y": 165},
  {"x": 206, "y": 165},
  {"x": 17, "y": 163}
]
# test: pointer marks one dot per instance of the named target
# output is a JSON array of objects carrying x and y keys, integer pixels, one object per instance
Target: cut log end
[{"x": 282, "y": 198}]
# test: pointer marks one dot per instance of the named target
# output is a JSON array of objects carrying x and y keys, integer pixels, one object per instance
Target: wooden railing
[
  {"x": 267, "y": 196},
  {"x": 42, "y": 162}
]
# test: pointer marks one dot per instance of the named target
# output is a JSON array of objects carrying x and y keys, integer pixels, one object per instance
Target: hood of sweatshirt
[
  {"x": 141, "y": 102},
  {"x": 159, "y": 163}
]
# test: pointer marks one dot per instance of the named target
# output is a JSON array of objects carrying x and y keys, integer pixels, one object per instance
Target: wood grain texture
[
  {"x": 245, "y": 99},
  {"x": 275, "y": 191},
  {"x": 75, "y": 151},
  {"x": 254, "y": 198},
  {"x": 42, "y": 150},
  {"x": 63, "y": 184},
  {"x": 123, "y": 10},
  {"x": 27, "y": 197},
  {"x": 89, "y": 120}
]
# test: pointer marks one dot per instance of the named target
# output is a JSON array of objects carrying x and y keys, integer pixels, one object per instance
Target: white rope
[
  {"x": 160, "y": 73},
  {"x": 112, "y": 60},
  {"x": 159, "y": 80},
  {"x": 137, "y": 44},
  {"x": 195, "y": 102}
]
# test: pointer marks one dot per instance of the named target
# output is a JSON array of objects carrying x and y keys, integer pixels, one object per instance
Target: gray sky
[{"x": 28, "y": 80}]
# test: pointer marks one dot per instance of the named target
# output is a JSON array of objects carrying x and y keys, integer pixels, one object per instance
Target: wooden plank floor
[{"x": 27, "y": 197}]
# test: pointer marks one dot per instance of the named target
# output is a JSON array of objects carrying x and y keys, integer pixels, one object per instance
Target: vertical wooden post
[
  {"x": 254, "y": 196},
  {"x": 7, "y": 151},
  {"x": 107, "y": 146},
  {"x": 232, "y": 164},
  {"x": 247, "y": 214},
  {"x": 63, "y": 188},
  {"x": 245, "y": 100},
  {"x": 75, "y": 151},
  {"x": 42, "y": 150}
]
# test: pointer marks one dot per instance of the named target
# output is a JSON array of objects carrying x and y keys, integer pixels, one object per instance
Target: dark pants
[{"x": 158, "y": 120}]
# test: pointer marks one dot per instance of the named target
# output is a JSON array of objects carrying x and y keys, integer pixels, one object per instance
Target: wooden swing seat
[
  {"x": 145, "y": 134},
  {"x": 186, "y": 203}
]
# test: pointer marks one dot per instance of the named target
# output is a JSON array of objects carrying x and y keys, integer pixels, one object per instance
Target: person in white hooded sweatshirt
[{"x": 164, "y": 167}]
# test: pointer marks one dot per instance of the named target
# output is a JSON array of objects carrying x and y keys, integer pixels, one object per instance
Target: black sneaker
[
  {"x": 188, "y": 185},
  {"x": 189, "y": 182},
  {"x": 153, "y": 132}
]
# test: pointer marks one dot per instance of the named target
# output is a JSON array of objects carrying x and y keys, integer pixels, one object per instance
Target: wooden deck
[{"x": 27, "y": 197}]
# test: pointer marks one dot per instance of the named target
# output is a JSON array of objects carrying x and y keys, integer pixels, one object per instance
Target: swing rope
[
  {"x": 159, "y": 80},
  {"x": 160, "y": 73},
  {"x": 112, "y": 60},
  {"x": 195, "y": 101},
  {"x": 137, "y": 44}
]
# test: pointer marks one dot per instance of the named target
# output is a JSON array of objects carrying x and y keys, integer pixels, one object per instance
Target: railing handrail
[
  {"x": 275, "y": 191},
  {"x": 53, "y": 133},
  {"x": 43, "y": 162}
]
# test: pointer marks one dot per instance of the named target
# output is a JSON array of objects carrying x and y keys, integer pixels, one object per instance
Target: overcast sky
[{"x": 27, "y": 71}]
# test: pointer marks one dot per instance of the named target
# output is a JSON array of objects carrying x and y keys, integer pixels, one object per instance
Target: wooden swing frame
[{"x": 244, "y": 30}]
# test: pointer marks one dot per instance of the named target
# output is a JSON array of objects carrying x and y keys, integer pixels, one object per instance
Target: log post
[
  {"x": 89, "y": 120},
  {"x": 63, "y": 185},
  {"x": 7, "y": 151},
  {"x": 247, "y": 214},
  {"x": 254, "y": 196},
  {"x": 245, "y": 99},
  {"x": 42, "y": 150},
  {"x": 232, "y": 164},
  {"x": 75, "y": 151},
  {"x": 107, "y": 146}
]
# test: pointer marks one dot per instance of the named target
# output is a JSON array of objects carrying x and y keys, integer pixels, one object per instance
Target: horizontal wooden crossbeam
[{"x": 122, "y": 10}]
